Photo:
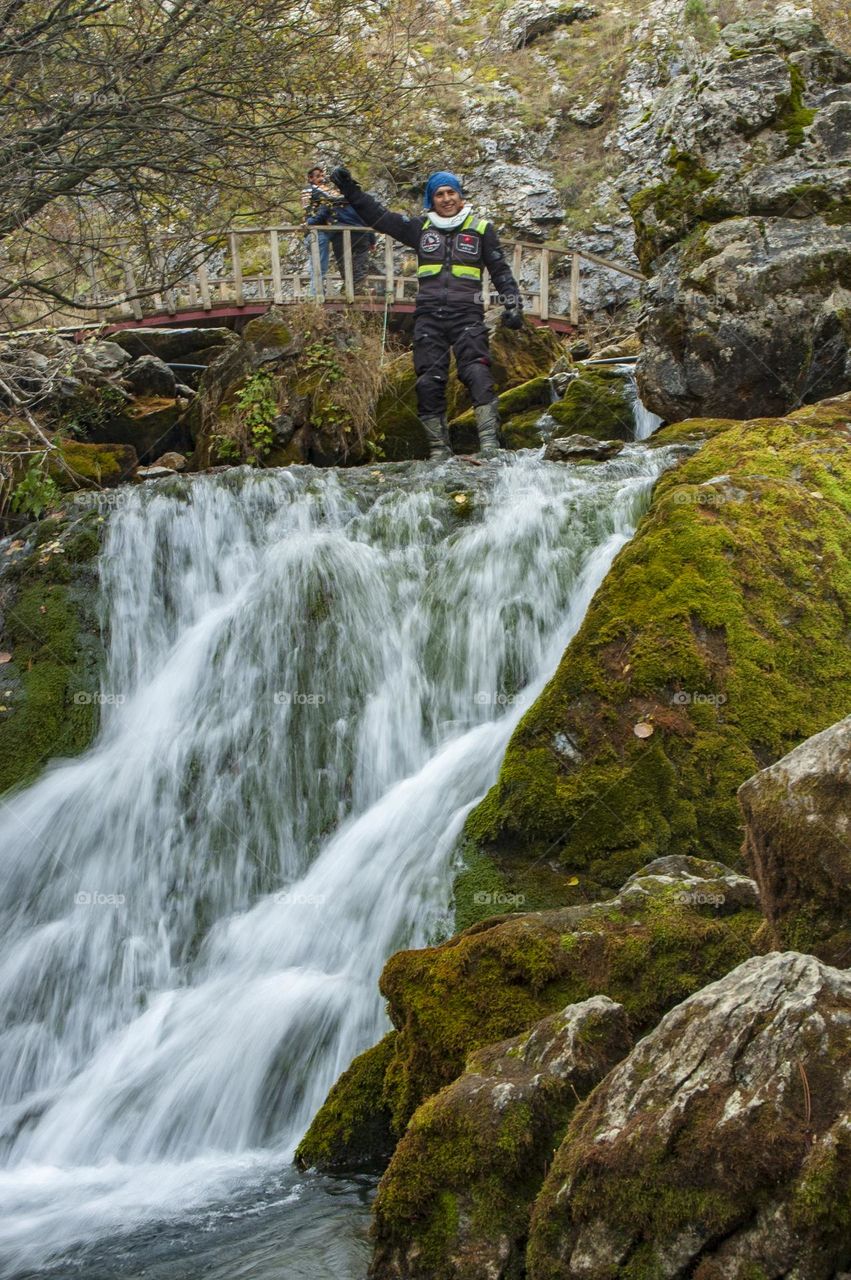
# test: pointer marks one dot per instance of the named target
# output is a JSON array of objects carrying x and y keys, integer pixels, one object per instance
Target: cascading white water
[
  {"x": 311, "y": 679},
  {"x": 646, "y": 422}
]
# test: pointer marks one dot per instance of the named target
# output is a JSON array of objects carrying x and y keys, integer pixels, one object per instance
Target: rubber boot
[
  {"x": 487, "y": 422},
  {"x": 437, "y": 434}
]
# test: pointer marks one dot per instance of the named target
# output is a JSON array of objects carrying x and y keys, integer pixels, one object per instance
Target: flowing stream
[{"x": 311, "y": 678}]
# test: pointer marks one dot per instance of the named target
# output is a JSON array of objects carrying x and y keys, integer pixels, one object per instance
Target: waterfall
[
  {"x": 311, "y": 678},
  {"x": 646, "y": 422}
]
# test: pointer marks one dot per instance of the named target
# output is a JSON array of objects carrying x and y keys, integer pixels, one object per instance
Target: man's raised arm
[{"x": 397, "y": 225}]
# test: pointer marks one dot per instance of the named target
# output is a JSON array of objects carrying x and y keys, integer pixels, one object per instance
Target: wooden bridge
[{"x": 247, "y": 272}]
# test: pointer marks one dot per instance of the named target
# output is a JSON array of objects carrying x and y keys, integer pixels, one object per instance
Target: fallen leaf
[
  {"x": 5, "y": 657},
  {"x": 642, "y": 729},
  {"x": 573, "y": 880}
]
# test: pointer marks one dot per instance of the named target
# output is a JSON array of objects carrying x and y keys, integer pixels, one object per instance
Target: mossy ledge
[
  {"x": 351, "y": 1133},
  {"x": 723, "y": 628},
  {"x": 647, "y": 950},
  {"x": 50, "y": 628}
]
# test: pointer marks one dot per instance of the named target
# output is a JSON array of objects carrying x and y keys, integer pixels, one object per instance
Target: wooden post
[
  {"x": 162, "y": 265},
  {"x": 130, "y": 283},
  {"x": 388, "y": 268},
  {"x": 193, "y": 292},
  {"x": 400, "y": 289},
  {"x": 348, "y": 270},
  {"x": 204, "y": 286},
  {"x": 517, "y": 262},
  {"x": 318, "y": 285},
  {"x": 277, "y": 285},
  {"x": 574, "y": 288},
  {"x": 545, "y": 284},
  {"x": 237, "y": 269}
]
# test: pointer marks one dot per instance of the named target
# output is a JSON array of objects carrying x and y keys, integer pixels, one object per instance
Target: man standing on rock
[{"x": 453, "y": 247}]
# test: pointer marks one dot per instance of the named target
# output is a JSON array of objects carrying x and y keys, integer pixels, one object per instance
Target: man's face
[
  {"x": 446, "y": 201},
  {"x": 317, "y": 177}
]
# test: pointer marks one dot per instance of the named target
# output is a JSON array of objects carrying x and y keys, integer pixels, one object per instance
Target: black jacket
[{"x": 437, "y": 292}]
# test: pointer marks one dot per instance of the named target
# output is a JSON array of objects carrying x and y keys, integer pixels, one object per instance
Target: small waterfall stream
[{"x": 311, "y": 679}]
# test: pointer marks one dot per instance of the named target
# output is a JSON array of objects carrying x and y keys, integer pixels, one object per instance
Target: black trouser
[
  {"x": 360, "y": 256},
  {"x": 462, "y": 330}
]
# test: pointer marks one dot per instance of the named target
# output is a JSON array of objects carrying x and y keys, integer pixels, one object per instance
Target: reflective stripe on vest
[{"x": 458, "y": 269}]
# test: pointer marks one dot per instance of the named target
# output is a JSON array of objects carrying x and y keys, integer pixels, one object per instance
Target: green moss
[
  {"x": 793, "y": 117},
  {"x": 103, "y": 465},
  {"x": 666, "y": 212},
  {"x": 595, "y": 404},
  {"x": 49, "y": 629},
  {"x": 500, "y": 977},
  {"x": 351, "y": 1131},
  {"x": 723, "y": 624}
]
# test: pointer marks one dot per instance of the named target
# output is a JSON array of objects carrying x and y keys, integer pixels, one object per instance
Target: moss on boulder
[
  {"x": 796, "y": 822},
  {"x": 351, "y": 1132},
  {"x": 455, "y": 1202},
  {"x": 720, "y": 632},
  {"x": 719, "y": 1147},
  {"x": 647, "y": 949},
  {"x": 596, "y": 403},
  {"x": 102, "y": 465},
  {"x": 50, "y": 628}
]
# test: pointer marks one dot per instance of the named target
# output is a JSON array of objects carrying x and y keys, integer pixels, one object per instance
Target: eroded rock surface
[
  {"x": 798, "y": 844},
  {"x": 721, "y": 1147},
  {"x": 455, "y": 1201}
]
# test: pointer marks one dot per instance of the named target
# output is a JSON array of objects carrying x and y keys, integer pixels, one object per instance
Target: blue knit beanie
[{"x": 440, "y": 179}]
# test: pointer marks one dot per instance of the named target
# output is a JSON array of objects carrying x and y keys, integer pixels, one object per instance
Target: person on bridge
[
  {"x": 324, "y": 206},
  {"x": 453, "y": 247}
]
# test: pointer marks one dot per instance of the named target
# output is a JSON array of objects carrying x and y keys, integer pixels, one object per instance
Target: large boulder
[
  {"x": 740, "y": 192},
  {"x": 668, "y": 932},
  {"x": 798, "y": 844},
  {"x": 716, "y": 643},
  {"x": 183, "y": 346},
  {"x": 721, "y": 1147},
  {"x": 455, "y": 1202}
]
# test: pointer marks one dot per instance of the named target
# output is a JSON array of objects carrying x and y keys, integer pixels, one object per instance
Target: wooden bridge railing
[{"x": 258, "y": 273}]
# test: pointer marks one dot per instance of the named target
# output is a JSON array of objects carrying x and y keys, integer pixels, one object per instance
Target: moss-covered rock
[
  {"x": 92, "y": 465},
  {"x": 720, "y": 636},
  {"x": 647, "y": 950},
  {"x": 455, "y": 1201},
  {"x": 351, "y": 1132},
  {"x": 596, "y": 403},
  {"x": 519, "y": 411},
  {"x": 720, "y": 1147},
  {"x": 797, "y": 824},
  {"x": 50, "y": 629}
]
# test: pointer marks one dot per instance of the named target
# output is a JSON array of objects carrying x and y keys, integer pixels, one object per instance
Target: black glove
[
  {"x": 343, "y": 180},
  {"x": 512, "y": 316}
]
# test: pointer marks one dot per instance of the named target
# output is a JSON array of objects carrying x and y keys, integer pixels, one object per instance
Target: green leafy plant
[
  {"x": 35, "y": 492},
  {"x": 258, "y": 407}
]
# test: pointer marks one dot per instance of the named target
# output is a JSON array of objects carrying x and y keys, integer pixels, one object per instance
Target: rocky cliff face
[{"x": 741, "y": 198}]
